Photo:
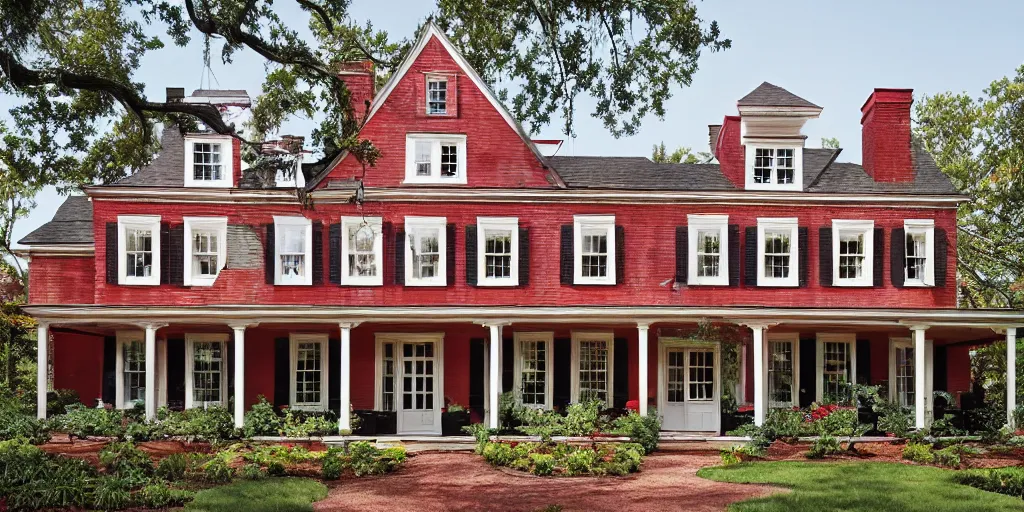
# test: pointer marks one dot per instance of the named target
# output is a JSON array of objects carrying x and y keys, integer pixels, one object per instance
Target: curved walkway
[{"x": 462, "y": 481}]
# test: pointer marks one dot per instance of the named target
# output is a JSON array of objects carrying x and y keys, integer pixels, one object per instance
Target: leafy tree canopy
[{"x": 680, "y": 156}]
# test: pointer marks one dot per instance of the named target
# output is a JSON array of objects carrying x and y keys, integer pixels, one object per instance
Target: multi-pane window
[
  {"x": 309, "y": 371},
  {"x": 700, "y": 375},
  {"x": 387, "y": 377},
  {"x": 594, "y": 245},
  {"x": 294, "y": 244},
  {"x": 709, "y": 253},
  {"x": 595, "y": 253},
  {"x": 780, "y": 373},
  {"x": 204, "y": 250},
  {"x": 206, "y": 162},
  {"x": 835, "y": 370},
  {"x": 207, "y": 372},
  {"x": 498, "y": 254},
  {"x": 777, "y": 254},
  {"x": 777, "y": 263},
  {"x": 134, "y": 371},
  {"x": 784, "y": 169},
  {"x": 426, "y": 253},
  {"x": 423, "y": 156},
  {"x": 676, "y": 376},
  {"x": 904, "y": 375},
  {"x": 533, "y": 372},
  {"x": 707, "y": 258},
  {"x": 361, "y": 251},
  {"x": 919, "y": 252},
  {"x": 763, "y": 165},
  {"x": 916, "y": 256},
  {"x": 139, "y": 252},
  {"x": 851, "y": 255},
  {"x": 204, "y": 254},
  {"x": 417, "y": 376},
  {"x": 449, "y": 160},
  {"x": 435, "y": 158},
  {"x": 593, "y": 365},
  {"x": 853, "y": 246},
  {"x": 773, "y": 166},
  {"x": 437, "y": 96},
  {"x": 138, "y": 247}
]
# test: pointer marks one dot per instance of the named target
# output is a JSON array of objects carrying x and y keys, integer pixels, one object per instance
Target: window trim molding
[
  {"x": 819, "y": 368},
  {"x": 794, "y": 339},
  {"x": 292, "y": 221},
  {"x": 574, "y": 382},
  {"x": 150, "y": 222},
  {"x": 441, "y": 224},
  {"x": 190, "y": 340},
  {"x": 579, "y": 222},
  {"x": 398, "y": 338},
  {"x": 293, "y": 345},
  {"x": 927, "y": 227},
  {"x": 778, "y": 224},
  {"x": 123, "y": 336},
  {"x": 798, "y": 164},
  {"x": 377, "y": 225},
  {"x": 548, "y": 338},
  {"x": 227, "y": 179},
  {"x": 216, "y": 224},
  {"x": 435, "y": 77},
  {"x": 496, "y": 223},
  {"x": 695, "y": 223},
  {"x": 435, "y": 177},
  {"x": 867, "y": 228},
  {"x": 896, "y": 342}
]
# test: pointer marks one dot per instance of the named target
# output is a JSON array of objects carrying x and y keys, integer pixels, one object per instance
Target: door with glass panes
[
  {"x": 418, "y": 387},
  {"x": 689, "y": 398}
]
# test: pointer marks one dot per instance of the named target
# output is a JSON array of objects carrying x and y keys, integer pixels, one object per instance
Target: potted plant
[{"x": 453, "y": 418}]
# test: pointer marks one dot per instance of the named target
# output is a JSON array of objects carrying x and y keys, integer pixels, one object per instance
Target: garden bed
[
  {"x": 892, "y": 451},
  {"x": 562, "y": 459}
]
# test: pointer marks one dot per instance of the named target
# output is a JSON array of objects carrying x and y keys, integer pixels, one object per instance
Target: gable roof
[
  {"x": 72, "y": 224},
  {"x": 770, "y": 95}
]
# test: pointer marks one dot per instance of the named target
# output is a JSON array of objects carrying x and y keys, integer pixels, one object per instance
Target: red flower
[{"x": 633, "y": 405}]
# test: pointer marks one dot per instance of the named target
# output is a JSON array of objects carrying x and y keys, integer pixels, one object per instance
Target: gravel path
[{"x": 462, "y": 481}]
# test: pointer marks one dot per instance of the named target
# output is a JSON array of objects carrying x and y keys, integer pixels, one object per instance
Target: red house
[{"x": 467, "y": 263}]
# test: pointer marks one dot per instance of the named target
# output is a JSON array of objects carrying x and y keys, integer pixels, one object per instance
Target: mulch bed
[{"x": 889, "y": 452}]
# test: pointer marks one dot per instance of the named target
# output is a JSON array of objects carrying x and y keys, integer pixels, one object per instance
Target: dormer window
[
  {"x": 435, "y": 159},
  {"x": 208, "y": 161},
  {"x": 437, "y": 95},
  {"x": 774, "y": 167}
]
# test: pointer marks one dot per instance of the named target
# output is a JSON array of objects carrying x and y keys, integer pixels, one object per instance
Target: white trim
[
  {"x": 307, "y": 275},
  {"x": 666, "y": 343},
  {"x": 895, "y": 343},
  {"x": 418, "y": 223},
  {"x": 56, "y": 250},
  {"x": 793, "y": 338},
  {"x": 779, "y": 224},
  {"x": 581, "y": 222},
  {"x": 398, "y": 338},
  {"x": 609, "y": 338},
  {"x": 141, "y": 222},
  {"x": 375, "y": 223},
  {"x": 819, "y": 371},
  {"x": 435, "y": 78},
  {"x": 123, "y": 337},
  {"x": 548, "y": 338},
  {"x": 227, "y": 176},
  {"x": 218, "y": 225},
  {"x": 496, "y": 223},
  {"x": 694, "y": 225},
  {"x": 865, "y": 228},
  {"x": 293, "y": 345},
  {"x": 798, "y": 165},
  {"x": 926, "y": 227},
  {"x": 190, "y": 340},
  {"x": 436, "y": 140}
]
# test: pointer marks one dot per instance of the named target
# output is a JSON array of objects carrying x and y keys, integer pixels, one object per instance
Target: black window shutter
[
  {"x": 399, "y": 266},
  {"x": 230, "y": 357},
  {"x": 109, "y": 363},
  {"x": 561, "y": 367},
  {"x": 318, "y": 252},
  {"x": 282, "y": 367},
  {"x": 507, "y": 362},
  {"x": 471, "y": 255},
  {"x": 334, "y": 376},
  {"x": 941, "y": 254},
  {"x": 682, "y": 258},
  {"x": 567, "y": 255},
  {"x": 734, "y": 255},
  {"x": 176, "y": 256},
  {"x": 334, "y": 252},
  {"x": 111, "y": 254},
  {"x": 476, "y": 375},
  {"x": 898, "y": 257},
  {"x": 750, "y": 253},
  {"x": 620, "y": 255},
  {"x": 176, "y": 373},
  {"x": 825, "y": 256},
  {"x": 524, "y": 256},
  {"x": 387, "y": 233},
  {"x": 269, "y": 254},
  {"x": 620, "y": 379},
  {"x": 451, "y": 244},
  {"x": 808, "y": 380},
  {"x": 863, "y": 362},
  {"x": 879, "y": 266},
  {"x": 165, "y": 252},
  {"x": 802, "y": 239}
]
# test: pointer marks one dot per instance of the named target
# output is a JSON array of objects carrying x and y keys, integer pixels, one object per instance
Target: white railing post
[
  {"x": 642, "y": 391},
  {"x": 42, "y": 363}
]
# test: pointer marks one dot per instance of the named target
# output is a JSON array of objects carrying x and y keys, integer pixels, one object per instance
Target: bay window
[
  {"x": 294, "y": 249},
  {"x": 425, "y": 251},
  {"x": 361, "y": 251}
]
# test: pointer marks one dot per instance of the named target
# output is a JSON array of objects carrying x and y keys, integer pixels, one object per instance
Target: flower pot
[{"x": 452, "y": 423}]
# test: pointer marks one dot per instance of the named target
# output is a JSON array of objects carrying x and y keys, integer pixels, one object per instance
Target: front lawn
[
  {"x": 867, "y": 486},
  {"x": 271, "y": 494}
]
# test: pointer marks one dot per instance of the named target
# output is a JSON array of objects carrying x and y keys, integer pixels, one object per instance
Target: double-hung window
[
  {"x": 777, "y": 252},
  {"x": 592, "y": 358},
  {"x": 497, "y": 251},
  {"x": 774, "y": 168},
  {"x": 919, "y": 265},
  {"x": 594, "y": 242},
  {"x": 138, "y": 246},
  {"x": 836, "y": 366},
  {"x": 853, "y": 250},
  {"x": 902, "y": 376},
  {"x": 309, "y": 371},
  {"x": 361, "y": 251},
  {"x": 437, "y": 95},
  {"x": 131, "y": 369},
  {"x": 208, "y": 161},
  {"x": 783, "y": 364},
  {"x": 206, "y": 370},
  {"x": 707, "y": 237},
  {"x": 533, "y": 368},
  {"x": 294, "y": 247},
  {"x": 425, "y": 250},
  {"x": 435, "y": 158},
  {"x": 205, "y": 249}
]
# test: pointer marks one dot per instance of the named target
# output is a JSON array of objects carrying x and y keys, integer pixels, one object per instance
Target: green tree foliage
[
  {"x": 979, "y": 144},
  {"x": 830, "y": 143},
  {"x": 680, "y": 156}
]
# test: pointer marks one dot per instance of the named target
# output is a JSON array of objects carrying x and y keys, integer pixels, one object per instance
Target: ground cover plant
[
  {"x": 1009, "y": 480},
  {"x": 564, "y": 459},
  {"x": 270, "y": 494}
]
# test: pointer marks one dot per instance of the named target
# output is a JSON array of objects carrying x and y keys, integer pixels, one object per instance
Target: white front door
[
  {"x": 689, "y": 388},
  {"x": 419, "y": 409}
]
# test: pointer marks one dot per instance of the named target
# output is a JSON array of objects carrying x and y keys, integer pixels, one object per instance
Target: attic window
[
  {"x": 208, "y": 161},
  {"x": 435, "y": 158},
  {"x": 437, "y": 95},
  {"x": 774, "y": 167}
]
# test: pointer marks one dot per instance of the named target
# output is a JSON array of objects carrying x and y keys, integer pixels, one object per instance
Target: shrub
[
  {"x": 124, "y": 457},
  {"x": 580, "y": 462},
  {"x": 953, "y": 455},
  {"x": 82, "y": 422},
  {"x": 161, "y": 496},
  {"x": 306, "y": 424},
  {"x": 481, "y": 433},
  {"x": 14, "y": 424},
  {"x": 824, "y": 446},
  {"x": 217, "y": 470},
  {"x": 545, "y": 424},
  {"x": 543, "y": 463},
  {"x": 331, "y": 465},
  {"x": 275, "y": 468},
  {"x": 732, "y": 455},
  {"x": 172, "y": 467},
  {"x": 262, "y": 420},
  {"x": 498, "y": 454},
  {"x": 918, "y": 452},
  {"x": 778, "y": 424},
  {"x": 1008, "y": 481},
  {"x": 112, "y": 494},
  {"x": 58, "y": 400},
  {"x": 627, "y": 458},
  {"x": 893, "y": 418},
  {"x": 211, "y": 424},
  {"x": 581, "y": 419},
  {"x": 252, "y": 471},
  {"x": 643, "y": 430},
  {"x": 367, "y": 459}
]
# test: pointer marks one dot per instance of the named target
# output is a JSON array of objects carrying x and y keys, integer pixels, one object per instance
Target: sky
[{"x": 829, "y": 52}]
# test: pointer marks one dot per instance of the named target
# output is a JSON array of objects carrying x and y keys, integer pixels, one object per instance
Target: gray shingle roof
[
  {"x": 638, "y": 173},
  {"x": 168, "y": 167},
  {"x": 843, "y": 177},
  {"x": 72, "y": 224},
  {"x": 220, "y": 93},
  {"x": 769, "y": 95}
]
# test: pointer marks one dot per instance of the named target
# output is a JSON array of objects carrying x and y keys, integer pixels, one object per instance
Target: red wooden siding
[
  {"x": 61, "y": 280},
  {"x": 78, "y": 364}
]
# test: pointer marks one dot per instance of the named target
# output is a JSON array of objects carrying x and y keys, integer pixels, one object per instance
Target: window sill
[
  {"x": 917, "y": 284},
  {"x": 417, "y": 283},
  {"x": 492, "y": 283},
  {"x": 133, "y": 282},
  {"x": 202, "y": 281},
  {"x": 777, "y": 284},
  {"x": 373, "y": 282},
  {"x": 579, "y": 282},
  {"x": 853, "y": 284},
  {"x": 292, "y": 283}
]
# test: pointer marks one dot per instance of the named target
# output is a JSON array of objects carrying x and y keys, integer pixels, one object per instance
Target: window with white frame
[
  {"x": 425, "y": 250},
  {"x": 437, "y": 95},
  {"x": 138, "y": 246},
  {"x": 902, "y": 375},
  {"x": 205, "y": 249},
  {"x": 700, "y": 379},
  {"x": 774, "y": 167},
  {"x": 361, "y": 251},
  {"x": 294, "y": 249},
  {"x": 387, "y": 375},
  {"x": 131, "y": 368},
  {"x": 708, "y": 254},
  {"x": 836, "y": 368},
  {"x": 594, "y": 243},
  {"x": 777, "y": 256},
  {"x": 208, "y": 161},
  {"x": 919, "y": 263},
  {"x": 853, "y": 249},
  {"x": 309, "y": 371},
  {"x": 782, "y": 369},
  {"x": 592, "y": 358},
  {"x": 205, "y": 370},
  {"x": 435, "y": 158},
  {"x": 497, "y": 251},
  {"x": 533, "y": 368}
]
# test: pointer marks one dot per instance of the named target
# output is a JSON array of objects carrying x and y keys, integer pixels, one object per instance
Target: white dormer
[
  {"x": 209, "y": 161},
  {"x": 771, "y": 123}
]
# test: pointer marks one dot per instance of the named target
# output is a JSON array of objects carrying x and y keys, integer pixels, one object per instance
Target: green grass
[
  {"x": 867, "y": 486},
  {"x": 271, "y": 494}
]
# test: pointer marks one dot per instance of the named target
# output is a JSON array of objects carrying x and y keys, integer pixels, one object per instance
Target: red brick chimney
[
  {"x": 359, "y": 78},
  {"x": 729, "y": 151},
  {"x": 885, "y": 137}
]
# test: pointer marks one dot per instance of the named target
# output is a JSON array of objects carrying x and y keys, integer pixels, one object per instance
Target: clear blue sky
[{"x": 831, "y": 53}]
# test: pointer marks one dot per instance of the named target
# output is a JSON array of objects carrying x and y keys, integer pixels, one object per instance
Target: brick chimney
[
  {"x": 729, "y": 151},
  {"x": 359, "y": 78},
  {"x": 885, "y": 137}
]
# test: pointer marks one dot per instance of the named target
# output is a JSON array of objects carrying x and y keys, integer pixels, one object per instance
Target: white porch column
[
  {"x": 642, "y": 368},
  {"x": 239, "y": 375},
  {"x": 43, "y": 337},
  {"x": 919, "y": 376},
  {"x": 345, "y": 398},
  {"x": 760, "y": 373},
  {"x": 151, "y": 371},
  {"x": 494, "y": 386},
  {"x": 1011, "y": 374}
]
